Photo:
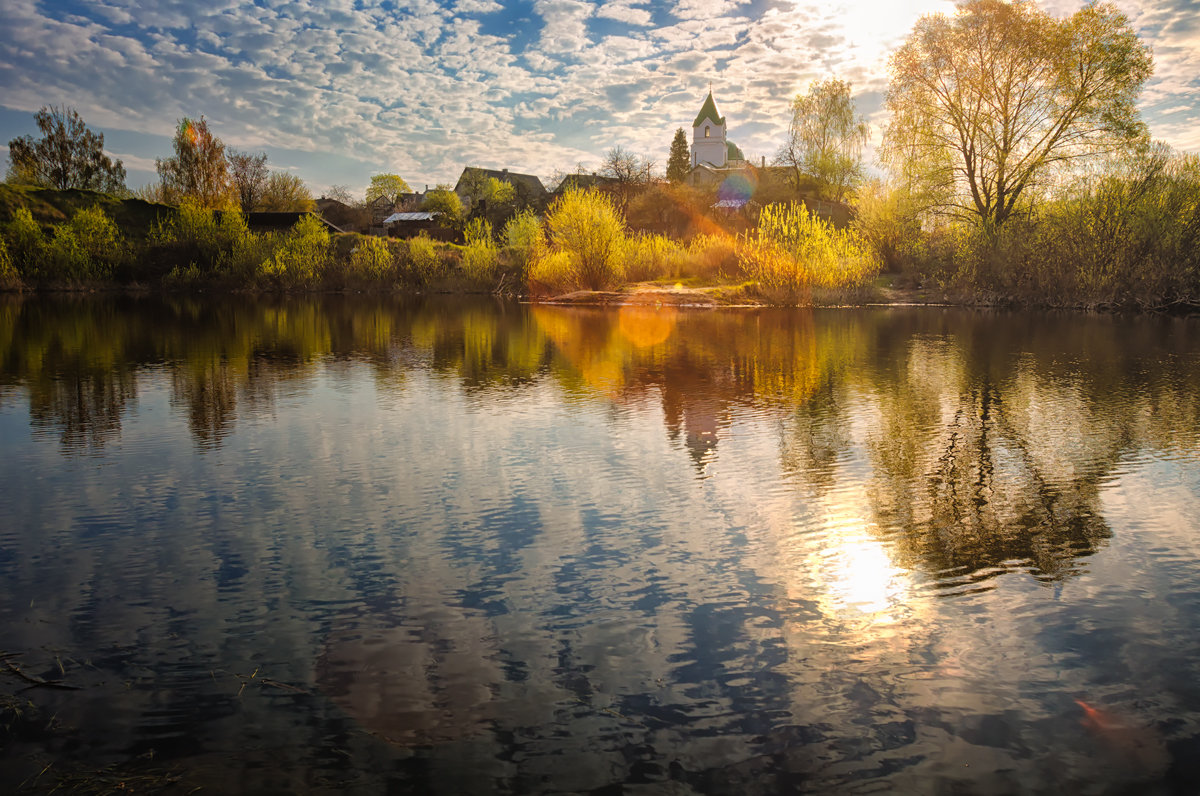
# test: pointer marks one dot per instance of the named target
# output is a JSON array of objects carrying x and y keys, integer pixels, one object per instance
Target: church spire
[{"x": 709, "y": 111}]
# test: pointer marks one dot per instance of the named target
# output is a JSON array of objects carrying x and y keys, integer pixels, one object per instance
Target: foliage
[
  {"x": 9, "y": 279},
  {"x": 793, "y": 251},
  {"x": 585, "y": 244},
  {"x": 888, "y": 218},
  {"x": 286, "y": 192},
  {"x": 679, "y": 160},
  {"x": 479, "y": 251},
  {"x": 445, "y": 205},
  {"x": 302, "y": 258},
  {"x": 248, "y": 173},
  {"x": 986, "y": 104},
  {"x": 423, "y": 259},
  {"x": 199, "y": 170},
  {"x": 649, "y": 256},
  {"x": 68, "y": 155},
  {"x": 524, "y": 238},
  {"x": 389, "y": 186},
  {"x": 26, "y": 243},
  {"x": 373, "y": 258},
  {"x": 1129, "y": 235},
  {"x": 216, "y": 242},
  {"x": 711, "y": 256},
  {"x": 826, "y": 138}
]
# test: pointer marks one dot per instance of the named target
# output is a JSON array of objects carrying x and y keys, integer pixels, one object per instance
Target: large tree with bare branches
[{"x": 989, "y": 102}]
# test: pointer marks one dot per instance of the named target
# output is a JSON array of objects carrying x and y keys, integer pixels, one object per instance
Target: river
[{"x": 365, "y": 545}]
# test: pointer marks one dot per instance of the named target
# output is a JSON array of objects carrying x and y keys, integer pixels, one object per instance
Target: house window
[{"x": 706, "y": 131}]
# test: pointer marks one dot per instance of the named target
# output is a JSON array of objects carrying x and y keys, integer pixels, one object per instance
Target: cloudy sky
[{"x": 338, "y": 90}]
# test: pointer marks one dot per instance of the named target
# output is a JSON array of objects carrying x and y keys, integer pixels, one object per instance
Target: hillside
[{"x": 48, "y": 206}]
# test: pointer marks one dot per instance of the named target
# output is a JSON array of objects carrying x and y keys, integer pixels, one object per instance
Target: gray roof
[
  {"x": 530, "y": 182},
  {"x": 422, "y": 216}
]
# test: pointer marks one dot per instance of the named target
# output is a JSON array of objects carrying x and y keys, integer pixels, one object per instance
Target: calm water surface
[{"x": 471, "y": 547}]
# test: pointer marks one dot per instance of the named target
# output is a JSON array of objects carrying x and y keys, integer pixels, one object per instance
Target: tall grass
[{"x": 792, "y": 251}]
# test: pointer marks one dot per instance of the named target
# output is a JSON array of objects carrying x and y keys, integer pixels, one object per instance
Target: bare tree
[{"x": 248, "y": 173}]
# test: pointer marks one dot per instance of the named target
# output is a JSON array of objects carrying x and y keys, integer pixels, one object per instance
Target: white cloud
[
  {"x": 477, "y": 7},
  {"x": 630, "y": 11},
  {"x": 424, "y": 89}
]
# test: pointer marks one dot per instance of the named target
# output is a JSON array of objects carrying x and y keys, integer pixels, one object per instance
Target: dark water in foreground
[{"x": 365, "y": 546}]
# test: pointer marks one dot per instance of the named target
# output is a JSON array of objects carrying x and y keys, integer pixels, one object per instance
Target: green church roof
[
  {"x": 708, "y": 111},
  {"x": 734, "y": 152}
]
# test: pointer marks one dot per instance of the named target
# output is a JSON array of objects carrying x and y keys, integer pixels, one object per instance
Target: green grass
[{"x": 135, "y": 217}]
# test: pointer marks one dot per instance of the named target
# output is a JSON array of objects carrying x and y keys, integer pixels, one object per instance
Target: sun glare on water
[{"x": 859, "y": 574}]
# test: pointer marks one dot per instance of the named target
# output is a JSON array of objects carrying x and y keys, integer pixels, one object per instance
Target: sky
[{"x": 338, "y": 90}]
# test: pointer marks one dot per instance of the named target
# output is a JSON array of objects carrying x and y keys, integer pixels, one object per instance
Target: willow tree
[
  {"x": 825, "y": 138},
  {"x": 989, "y": 102}
]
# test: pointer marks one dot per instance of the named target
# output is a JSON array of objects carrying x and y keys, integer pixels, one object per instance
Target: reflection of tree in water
[{"x": 84, "y": 405}]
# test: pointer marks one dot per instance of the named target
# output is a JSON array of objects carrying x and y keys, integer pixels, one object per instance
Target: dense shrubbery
[
  {"x": 479, "y": 252},
  {"x": 792, "y": 251},
  {"x": 1127, "y": 235}
]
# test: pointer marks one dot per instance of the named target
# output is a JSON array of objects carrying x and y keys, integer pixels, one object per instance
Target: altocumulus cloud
[{"x": 425, "y": 87}]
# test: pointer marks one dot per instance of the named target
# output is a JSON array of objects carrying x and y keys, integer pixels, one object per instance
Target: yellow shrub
[
  {"x": 372, "y": 259},
  {"x": 793, "y": 251},
  {"x": 479, "y": 253},
  {"x": 586, "y": 239},
  {"x": 303, "y": 257},
  {"x": 423, "y": 260}
]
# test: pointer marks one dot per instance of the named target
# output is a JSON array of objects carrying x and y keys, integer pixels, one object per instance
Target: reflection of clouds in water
[{"x": 466, "y": 561}]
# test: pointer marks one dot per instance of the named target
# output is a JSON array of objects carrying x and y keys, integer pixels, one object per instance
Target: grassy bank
[{"x": 80, "y": 240}]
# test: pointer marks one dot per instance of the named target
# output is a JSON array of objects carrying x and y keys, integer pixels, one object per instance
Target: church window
[{"x": 706, "y": 131}]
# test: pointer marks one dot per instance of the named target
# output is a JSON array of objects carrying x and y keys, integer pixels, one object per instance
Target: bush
[
  {"x": 479, "y": 252},
  {"x": 302, "y": 258},
  {"x": 711, "y": 256},
  {"x": 650, "y": 256},
  {"x": 792, "y": 251},
  {"x": 524, "y": 239},
  {"x": 373, "y": 259},
  {"x": 9, "y": 279},
  {"x": 215, "y": 242},
  {"x": 585, "y": 240},
  {"x": 27, "y": 244},
  {"x": 424, "y": 262}
]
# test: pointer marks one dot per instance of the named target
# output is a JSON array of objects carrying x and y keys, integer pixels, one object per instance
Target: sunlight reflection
[{"x": 859, "y": 573}]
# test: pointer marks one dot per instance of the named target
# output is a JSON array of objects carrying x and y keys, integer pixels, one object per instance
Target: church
[
  {"x": 714, "y": 156},
  {"x": 710, "y": 143}
]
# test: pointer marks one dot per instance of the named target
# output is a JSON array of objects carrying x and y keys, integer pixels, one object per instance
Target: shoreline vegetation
[{"x": 1132, "y": 244}]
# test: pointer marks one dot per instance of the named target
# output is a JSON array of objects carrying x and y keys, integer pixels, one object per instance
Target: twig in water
[{"x": 37, "y": 681}]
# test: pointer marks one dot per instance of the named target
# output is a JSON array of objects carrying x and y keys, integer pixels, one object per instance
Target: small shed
[{"x": 411, "y": 224}]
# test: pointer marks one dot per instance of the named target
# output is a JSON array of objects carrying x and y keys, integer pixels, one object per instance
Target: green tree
[
  {"x": 68, "y": 155},
  {"x": 387, "y": 185},
  {"x": 679, "y": 160},
  {"x": 826, "y": 138},
  {"x": 248, "y": 173},
  {"x": 986, "y": 103},
  {"x": 445, "y": 206},
  {"x": 198, "y": 171},
  {"x": 284, "y": 191}
]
